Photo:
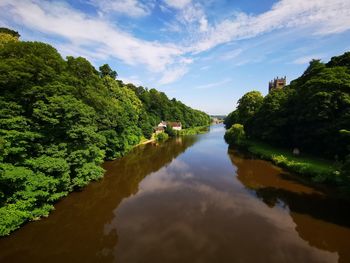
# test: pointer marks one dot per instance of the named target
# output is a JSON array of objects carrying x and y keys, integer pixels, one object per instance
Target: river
[{"x": 189, "y": 199}]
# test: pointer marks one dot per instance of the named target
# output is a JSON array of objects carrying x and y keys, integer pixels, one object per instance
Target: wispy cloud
[
  {"x": 214, "y": 84},
  {"x": 100, "y": 37},
  {"x": 97, "y": 35},
  {"x": 232, "y": 54},
  {"x": 172, "y": 74},
  {"x": 190, "y": 18},
  {"x": 177, "y": 3},
  {"x": 132, "y": 79},
  {"x": 132, "y": 8},
  {"x": 323, "y": 16}
]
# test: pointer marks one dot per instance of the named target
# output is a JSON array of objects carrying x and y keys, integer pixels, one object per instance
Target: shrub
[
  {"x": 160, "y": 137},
  {"x": 235, "y": 135}
]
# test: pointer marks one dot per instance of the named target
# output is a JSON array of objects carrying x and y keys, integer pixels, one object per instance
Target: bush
[
  {"x": 193, "y": 131},
  {"x": 161, "y": 137},
  {"x": 235, "y": 135},
  {"x": 170, "y": 131}
]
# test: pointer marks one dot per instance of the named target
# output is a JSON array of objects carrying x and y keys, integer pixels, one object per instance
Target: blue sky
[{"x": 206, "y": 53}]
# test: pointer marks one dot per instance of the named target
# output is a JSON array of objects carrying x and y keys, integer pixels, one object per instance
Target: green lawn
[
  {"x": 320, "y": 170},
  {"x": 194, "y": 130}
]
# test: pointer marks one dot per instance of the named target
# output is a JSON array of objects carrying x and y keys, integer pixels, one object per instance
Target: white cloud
[
  {"x": 323, "y": 16},
  {"x": 231, "y": 54},
  {"x": 98, "y": 38},
  {"x": 132, "y": 8},
  {"x": 307, "y": 59},
  {"x": 132, "y": 79},
  {"x": 214, "y": 84},
  {"x": 177, "y": 3},
  {"x": 203, "y": 24},
  {"x": 172, "y": 74},
  {"x": 189, "y": 20},
  {"x": 175, "y": 71},
  {"x": 82, "y": 32}
]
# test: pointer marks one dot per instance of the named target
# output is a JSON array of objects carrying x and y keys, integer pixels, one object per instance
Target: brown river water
[{"x": 189, "y": 199}]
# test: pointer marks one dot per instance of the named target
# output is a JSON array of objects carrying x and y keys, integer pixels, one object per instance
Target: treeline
[
  {"x": 159, "y": 107},
  {"x": 311, "y": 114},
  {"x": 59, "y": 119}
]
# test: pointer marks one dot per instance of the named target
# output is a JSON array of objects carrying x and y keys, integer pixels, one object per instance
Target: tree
[
  {"x": 4, "y": 30},
  {"x": 105, "y": 70},
  {"x": 169, "y": 130},
  {"x": 231, "y": 119},
  {"x": 308, "y": 114},
  {"x": 248, "y": 105},
  {"x": 235, "y": 135}
]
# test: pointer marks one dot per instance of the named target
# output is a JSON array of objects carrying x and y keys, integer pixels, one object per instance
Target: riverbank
[
  {"x": 193, "y": 130},
  {"x": 183, "y": 132},
  {"x": 157, "y": 184},
  {"x": 145, "y": 141},
  {"x": 318, "y": 170}
]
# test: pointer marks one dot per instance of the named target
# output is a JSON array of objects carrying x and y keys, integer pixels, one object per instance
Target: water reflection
[
  {"x": 323, "y": 221},
  {"x": 78, "y": 230},
  {"x": 195, "y": 210},
  {"x": 187, "y": 200}
]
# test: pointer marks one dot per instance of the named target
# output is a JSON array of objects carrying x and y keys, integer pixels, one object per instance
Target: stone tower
[{"x": 277, "y": 83}]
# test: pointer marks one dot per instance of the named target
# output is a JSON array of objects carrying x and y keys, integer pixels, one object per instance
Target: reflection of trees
[
  {"x": 324, "y": 222},
  {"x": 76, "y": 232}
]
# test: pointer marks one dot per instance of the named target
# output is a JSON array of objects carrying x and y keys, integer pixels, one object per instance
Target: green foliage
[
  {"x": 160, "y": 137},
  {"x": 247, "y": 107},
  {"x": 59, "y": 119},
  {"x": 312, "y": 114},
  {"x": 231, "y": 119},
  {"x": 340, "y": 61},
  {"x": 309, "y": 113},
  {"x": 105, "y": 70},
  {"x": 159, "y": 108},
  {"x": 4, "y": 30},
  {"x": 235, "y": 135},
  {"x": 7, "y": 35},
  {"x": 193, "y": 131},
  {"x": 319, "y": 170},
  {"x": 170, "y": 131}
]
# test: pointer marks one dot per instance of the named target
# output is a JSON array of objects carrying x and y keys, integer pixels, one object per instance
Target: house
[
  {"x": 162, "y": 124},
  {"x": 174, "y": 125}
]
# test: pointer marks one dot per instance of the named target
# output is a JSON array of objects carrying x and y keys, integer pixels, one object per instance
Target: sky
[{"x": 206, "y": 53}]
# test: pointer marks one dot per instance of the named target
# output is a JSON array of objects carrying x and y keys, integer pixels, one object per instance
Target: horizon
[{"x": 205, "y": 53}]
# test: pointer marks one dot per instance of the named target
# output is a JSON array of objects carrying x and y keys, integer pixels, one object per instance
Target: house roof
[
  {"x": 170, "y": 123},
  {"x": 174, "y": 124}
]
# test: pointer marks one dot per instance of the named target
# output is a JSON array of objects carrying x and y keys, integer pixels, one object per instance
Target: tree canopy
[{"x": 309, "y": 114}]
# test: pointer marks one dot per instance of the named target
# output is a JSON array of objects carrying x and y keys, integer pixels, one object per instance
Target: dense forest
[
  {"x": 60, "y": 118},
  {"x": 311, "y": 114}
]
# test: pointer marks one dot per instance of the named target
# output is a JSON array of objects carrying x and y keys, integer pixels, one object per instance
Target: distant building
[
  {"x": 277, "y": 83},
  {"x": 162, "y": 124},
  {"x": 174, "y": 125},
  {"x": 216, "y": 120}
]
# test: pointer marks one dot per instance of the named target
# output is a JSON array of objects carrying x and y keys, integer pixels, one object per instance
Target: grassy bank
[
  {"x": 319, "y": 170},
  {"x": 193, "y": 130}
]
